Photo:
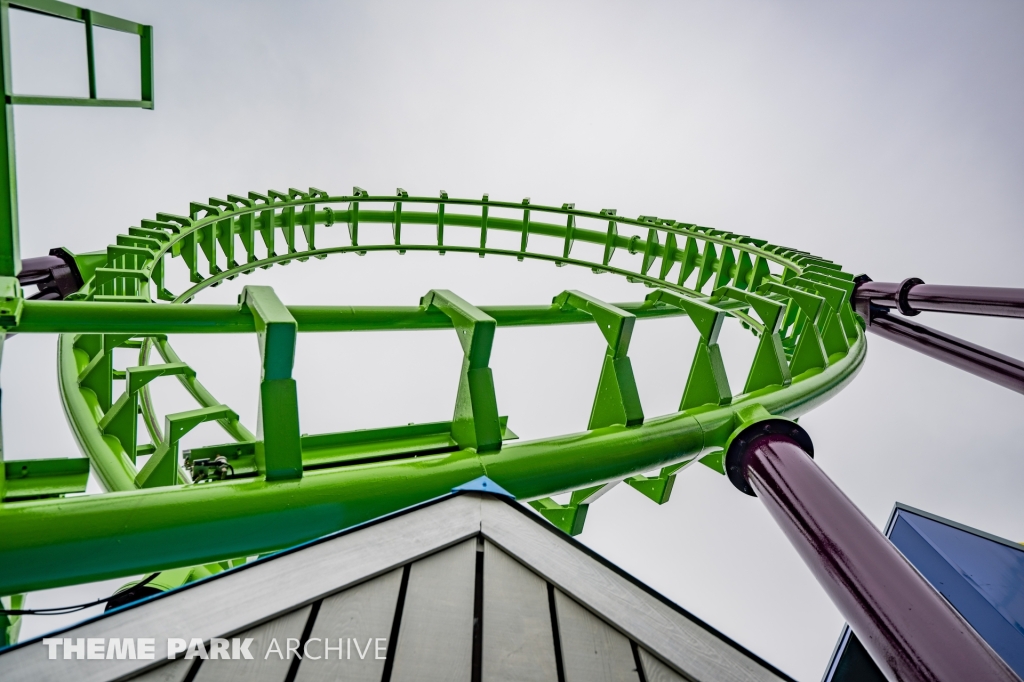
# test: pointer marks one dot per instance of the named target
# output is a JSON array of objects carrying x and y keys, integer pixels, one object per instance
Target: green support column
[
  {"x": 10, "y": 248},
  {"x": 278, "y": 448},
  {"x": 11, "y": 306},
  {"x": 3, "y": 468},
  {"x": 10, "y": 626},
  {"x": 475, "y": 424}
]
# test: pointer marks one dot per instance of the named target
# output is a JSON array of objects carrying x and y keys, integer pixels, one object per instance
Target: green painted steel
[
  {"x": 791, "y": 300},
  {"x": 10, "y": 250},
  {"x": 257, "y": 492}
]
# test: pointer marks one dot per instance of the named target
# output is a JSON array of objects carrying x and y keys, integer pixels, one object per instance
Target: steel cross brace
[
  {"x": 617, "y": 400},
  {"x": 121, "y": 420},
  {"x": 770, "y": 366},
  {"x": 162, "y": 467},
  {"x": 809, "y": 352},
  {"x": 475, "y": 424},
  {"x": 706, "y": 385}
]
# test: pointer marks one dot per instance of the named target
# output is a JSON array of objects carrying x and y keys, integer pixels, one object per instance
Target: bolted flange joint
[
  {"x": 738, "y": 446},
  {"x": 903, "y": 295}
]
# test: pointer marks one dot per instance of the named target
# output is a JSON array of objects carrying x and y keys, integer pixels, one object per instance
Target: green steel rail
[
  {"x": 190, "y": 514},
  {"x": 262, "y": 492}
]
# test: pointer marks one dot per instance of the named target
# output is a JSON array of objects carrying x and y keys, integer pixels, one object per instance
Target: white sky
[{"x": 883, "y": 135}]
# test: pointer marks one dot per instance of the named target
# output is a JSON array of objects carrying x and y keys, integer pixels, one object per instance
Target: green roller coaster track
[
  {"x": 298, "y": 487},
  {"x": 271, "y": 488}
]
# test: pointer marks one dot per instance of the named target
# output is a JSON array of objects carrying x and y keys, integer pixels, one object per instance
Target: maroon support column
[{"x": 908, "y": 628}]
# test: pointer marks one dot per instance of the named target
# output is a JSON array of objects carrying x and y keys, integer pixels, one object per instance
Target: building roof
[
  {"x": 980, "y": 574},
  {"x": 468, "y": 587}
]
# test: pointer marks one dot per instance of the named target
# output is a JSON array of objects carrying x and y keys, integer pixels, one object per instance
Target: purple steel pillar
[{"x": 908, "y": 628}]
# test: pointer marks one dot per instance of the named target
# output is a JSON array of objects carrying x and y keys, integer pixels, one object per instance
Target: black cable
[{"x": 62, "y": 610}]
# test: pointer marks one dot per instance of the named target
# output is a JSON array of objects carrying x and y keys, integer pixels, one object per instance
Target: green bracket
[
  {"x": 35, "y": 478},
  {"x": 833, "y": 333},
  {"x": 569, "y": 518},
  {"x": 11, "y": 302},
  {"x": 691, "y": 253},
  {"x": 668, "y": 255},
  {"x": 525, "y": 234},
  {"x": 440, "y": 221},
  {"x": 278, "y": 447},
  {"x": 611, "y": 236},
  {"x": 10, "y": 626},
  {"x": 617, "y": 400},
  {"x": 770, "y": 367},
  {"x": 810, "y": 349},
  {"x": 570, "y": 233},
  {"x": 97, "y": 375},
  {"x": 3, "y": 470},
  {"x": 484, "y": 209},
  {"x": 396, "y": 222},
  {"x": 707, "y": 383},
  {"x": 475, "y": 424},
  {"x": 657, "y": 488},
  {"x": 744, "y": 268},
  {"x": 837, "y": 280},
  {"x": 651, "y": 246},
  {"x": 121, "y": 420},
  {"x": 162, "y": 467},
  {"x": 708, "y": 261}
]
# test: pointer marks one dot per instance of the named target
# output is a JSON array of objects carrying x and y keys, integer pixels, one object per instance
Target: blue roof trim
[
  {"x": 483, "y": 485},
  {"x": 982, "y": 579}
]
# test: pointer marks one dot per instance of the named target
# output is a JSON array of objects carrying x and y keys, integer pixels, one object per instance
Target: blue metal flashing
[
  {"x": 981, "y": 575},
  {"x": 483, "y": 485}
]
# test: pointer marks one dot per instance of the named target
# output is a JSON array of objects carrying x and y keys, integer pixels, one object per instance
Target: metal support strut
[
  {"x": 874, "y": 302},
  {"x": 910, "y": 631}
]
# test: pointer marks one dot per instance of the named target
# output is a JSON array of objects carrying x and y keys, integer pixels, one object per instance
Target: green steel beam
[
  {"x": 49, "y": 543},
  {"x": 810, "y": 345},
  {"x": 342, "y": 485},
  {"x": 49, "y": 317},
  {"x": 10, "y": 250}
]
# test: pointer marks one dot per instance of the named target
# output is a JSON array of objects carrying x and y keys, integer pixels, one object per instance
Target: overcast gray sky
[{"x": 883, "y": 135}]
